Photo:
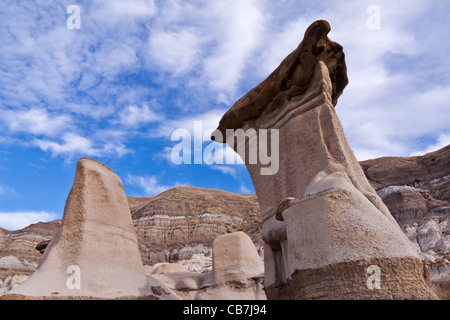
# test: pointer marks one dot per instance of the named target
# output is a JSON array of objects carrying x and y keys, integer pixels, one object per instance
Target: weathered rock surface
[
  {"x": 184, "y": 221},
  {"x": 430, "y": 172},
  {"x": 178, "y": 226},
  {"x": 11, "y": 282},
  {"x": 96, "y": 244},
  {"x": 417, "y": 193},
  {"x": 21, "y": 244},
  {"x": 237, "y": 273},
  {"x": 198, "y": 263},
  {"x": 323, "y": 223},
  {"x": 235, "y": 259},
  {"x": 405, "y": 209}
]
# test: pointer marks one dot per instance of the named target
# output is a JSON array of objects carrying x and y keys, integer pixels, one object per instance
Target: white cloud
[
  {"x": 73, "y": 144},
  {"x": 35, "y": 121},
  {"x": 387, "y": 108},
  {"x": 73, "y": 73},
  {"x": 6, "y": 190},
  {"x": 133, "y": 116},
  {"x": 207, "y": 122},
  {"x": 279, "y": 45},
  {"x": 208, "y": 52},
  {"x": 174, "y": 51},
  {"x": 382, "y": 109},
  {"x": 210, "y": 42},
  {"x": 226, "y": 170},
  {"x": 149, "y": 184},
  {"x": 240, "y": 27},
  {"x": 442, "y": 141},
  {"x": 130, "y": 8},
  {"x": 243, "y": 189},
  {"x": 18, "y": 220}
]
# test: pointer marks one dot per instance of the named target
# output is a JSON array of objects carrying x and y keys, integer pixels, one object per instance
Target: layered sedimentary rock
[
  {"x": 412, "y": 203},
  {"x": 429, "y": 172},
  {"x": 94, "y": 253},
  {"x": 323, "y": 224},
  {"x": 179, "y": 226},
  {"x": 417, "y": 193},
  {"x": 184, "y": 221},
  {"x": 18, "y": 255}
]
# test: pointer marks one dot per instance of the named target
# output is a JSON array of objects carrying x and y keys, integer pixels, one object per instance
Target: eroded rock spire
[
  {"x": 95, "y": 253},
  {"x": 324, "y": 227}
]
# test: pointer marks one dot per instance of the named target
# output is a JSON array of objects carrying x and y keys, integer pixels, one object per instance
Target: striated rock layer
[
  {"x": 417, "y": 193},
  {"x": 184, "y": 221},
  {"x": 412, "y": 209},
  {"x": 319, "y": 213},
  {"x": 18, "y": 255}
]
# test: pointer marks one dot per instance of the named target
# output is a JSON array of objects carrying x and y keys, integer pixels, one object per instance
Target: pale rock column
[
  {"x": 325, "y": 229},
  {"x": 237, "y": 270},
  {"x": 95, "y": 253}
]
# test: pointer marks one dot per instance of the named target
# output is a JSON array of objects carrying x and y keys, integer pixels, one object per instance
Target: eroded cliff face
[
  {"x": 417, "y": 193},
  {"x": 18, "y": 255},
  {"x": 183, "y": 222}
]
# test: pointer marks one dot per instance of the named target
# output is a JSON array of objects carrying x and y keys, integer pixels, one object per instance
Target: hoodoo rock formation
[
  {"x": 235, "y": 261},
  {"x": 324, "y": 226},
  {"x": 237, "y": 273},
  {"x": 415, "y": 190},
  {"x": 325, "y": 230},
  {"x": 95, "y": 252}
]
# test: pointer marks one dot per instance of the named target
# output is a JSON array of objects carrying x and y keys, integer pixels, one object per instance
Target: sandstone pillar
[
  {"x": 237, "y": 270},
  {"x": 325, "y": 229},
  {"x": 95, "y": 253}
]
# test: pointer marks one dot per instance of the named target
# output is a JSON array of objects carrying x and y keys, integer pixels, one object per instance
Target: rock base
[{"x": 400, "y": 279}]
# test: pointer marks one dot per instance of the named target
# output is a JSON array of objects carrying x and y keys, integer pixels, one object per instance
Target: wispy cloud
[
  {"x": 226, "y": 170},
  {"x": 69, "y": 79},
  {"x": 203, "y": 123},
  {"x": 35, "y": 121},
  {"x": 134, "y": 116},
  {"x": 241, "y": 25},
  {"x": 149, "y": 184},
  {"x": 73, "y": 145},
  {"x": 60, "y": 86},
  {"x": 176, "y": 52},
  {"x": 243, "y": 189},
  {"x": 5, "y": 190},
  {"x": 442, "y": 141},
  {"x": 18, "y": 220}
]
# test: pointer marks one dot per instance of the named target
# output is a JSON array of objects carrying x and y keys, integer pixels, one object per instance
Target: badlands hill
[
  {"x": 184, "y": 221},
  {"x": 417, "y": 192},
  {"x": 180, "y": 224}
]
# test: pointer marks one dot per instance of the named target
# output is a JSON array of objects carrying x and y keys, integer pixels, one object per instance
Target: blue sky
[{"x": 137, "y": 70}]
